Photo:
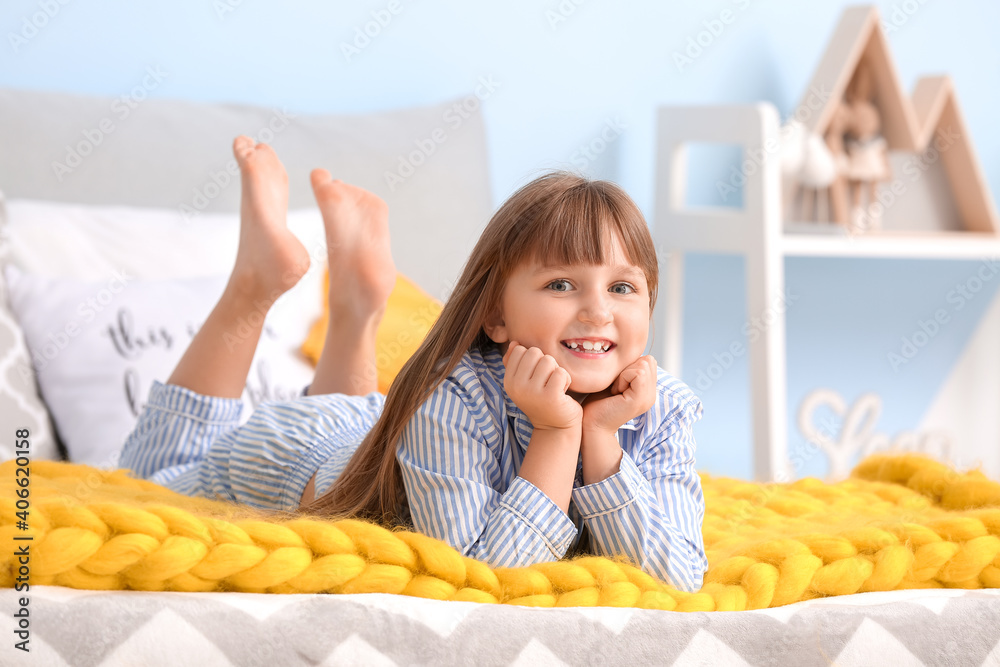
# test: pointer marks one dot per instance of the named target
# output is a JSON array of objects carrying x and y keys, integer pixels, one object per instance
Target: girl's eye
[
  {"x": 628, "y": 288},
  {"x": 564, "y": 283}
]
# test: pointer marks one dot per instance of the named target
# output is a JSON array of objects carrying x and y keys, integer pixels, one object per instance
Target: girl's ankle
[
  {"x": 355, "y": 315},
  {"x": 249, "y": 292}
]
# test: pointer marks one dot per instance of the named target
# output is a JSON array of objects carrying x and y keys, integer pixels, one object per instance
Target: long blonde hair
[{"x": 558, "y": 218}]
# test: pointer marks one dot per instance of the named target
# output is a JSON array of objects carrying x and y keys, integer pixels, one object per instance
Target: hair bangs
[{"x": 577, "y": 225}]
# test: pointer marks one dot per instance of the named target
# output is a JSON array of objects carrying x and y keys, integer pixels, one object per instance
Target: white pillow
[
  {"x": 98, "y": 346},
  {"x": 91, "y": 242}
]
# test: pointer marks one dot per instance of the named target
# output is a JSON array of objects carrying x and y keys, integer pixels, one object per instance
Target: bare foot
[
  {"x": 270, "y": 259},
  {"x": 362, "y": 272}
]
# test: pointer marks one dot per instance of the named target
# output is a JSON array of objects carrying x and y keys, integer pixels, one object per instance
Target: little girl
[{"x": 527, "y": 426}]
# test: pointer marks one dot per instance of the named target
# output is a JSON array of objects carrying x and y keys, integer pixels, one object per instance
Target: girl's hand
[
  {"x": 537, "y": 384},
  {"x": 632, "y": 393}
]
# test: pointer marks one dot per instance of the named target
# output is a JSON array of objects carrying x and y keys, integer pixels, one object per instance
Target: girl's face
[{"x": 564, "y": 309}]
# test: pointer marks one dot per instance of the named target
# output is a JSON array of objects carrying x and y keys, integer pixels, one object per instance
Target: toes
[
  {"x": 326, "y": 188},
  {"x": 322, "y": 180},
  {"x": 319, "y": 177},
  {"x": 247, "y": 152},
  {"x": 258, "y": 162},
  {"x": 243, "y": 148},
  {"x": 333, "y": 191}
]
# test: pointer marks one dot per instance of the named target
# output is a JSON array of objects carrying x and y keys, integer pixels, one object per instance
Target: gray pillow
[
  {"x": 428, "y": 163},
  {"x": 21, "y": 405}
]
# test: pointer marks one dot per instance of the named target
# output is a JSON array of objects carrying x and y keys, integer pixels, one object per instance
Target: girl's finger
[
  {"x": 653, "y": 374},
  {"x": 510, "y": 348},
  {"x": 529, "y": 361},
  {"x": 622, "y": 383},
  {"x": 551, "y": 379},
  {"x": 629, "y": 376},
  {"x": 526, "y": 363},
  {"x": 567, "y": 379},
  {"x": 543, "y": 369},
  {"x": 515, "y": 354}
]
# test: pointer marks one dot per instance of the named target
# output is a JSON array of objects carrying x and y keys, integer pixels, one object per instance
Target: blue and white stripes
[
  {"x": 459, "y": 456},
  {"x": 195, "y": 445}
]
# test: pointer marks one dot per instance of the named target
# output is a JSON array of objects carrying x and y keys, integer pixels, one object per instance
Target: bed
[
  {"x": 132, "y": 627},
  {"x": 155, "y": 175}
]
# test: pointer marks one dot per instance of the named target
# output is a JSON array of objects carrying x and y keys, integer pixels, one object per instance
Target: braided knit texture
[{"x": 899, "y": 522}]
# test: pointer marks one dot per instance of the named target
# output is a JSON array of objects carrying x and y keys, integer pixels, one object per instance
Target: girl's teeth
[{"x": 590, "y": 346}]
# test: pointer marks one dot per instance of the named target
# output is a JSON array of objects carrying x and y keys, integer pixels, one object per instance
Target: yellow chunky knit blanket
[{"x": 899, "y": 522}]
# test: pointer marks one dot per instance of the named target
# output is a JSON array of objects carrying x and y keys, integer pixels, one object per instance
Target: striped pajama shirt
[{"x": 459, "y": 456}]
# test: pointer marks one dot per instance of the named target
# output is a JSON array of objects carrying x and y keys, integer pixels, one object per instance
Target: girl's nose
[{"x": 596, "y": 310}]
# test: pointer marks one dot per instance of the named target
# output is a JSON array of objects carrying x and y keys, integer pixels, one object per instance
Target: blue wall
[{"x": 565, "y": 70}]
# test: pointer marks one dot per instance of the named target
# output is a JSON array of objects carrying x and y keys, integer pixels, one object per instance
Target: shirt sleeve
[
  {"x": 173, "y": 436},
  {"x": 452, "y": 476},
  {"x": 652, "y": 509},
  {"x": 195, "y": 445}
]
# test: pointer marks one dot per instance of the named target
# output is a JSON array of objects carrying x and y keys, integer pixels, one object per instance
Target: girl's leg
[
  {"x": 362, "y": 275},
  {"x": 270, "y": 260}
]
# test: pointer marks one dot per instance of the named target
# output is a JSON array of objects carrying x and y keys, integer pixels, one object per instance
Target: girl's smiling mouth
[{"x": 588, "y": 347}]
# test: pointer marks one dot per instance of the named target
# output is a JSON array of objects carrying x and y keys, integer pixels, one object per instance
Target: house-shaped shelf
[{"x": 929, "y": 125}]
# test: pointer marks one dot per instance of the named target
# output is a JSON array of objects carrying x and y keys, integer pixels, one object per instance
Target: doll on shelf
[
  {"x": 808, "y": 169},
  {"x": 860, "y": 151}
]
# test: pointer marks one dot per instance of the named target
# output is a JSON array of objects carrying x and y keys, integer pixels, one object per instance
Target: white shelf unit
[
  {"x": 901, "y": 245},
  {"x": 755, "y": 231}
]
